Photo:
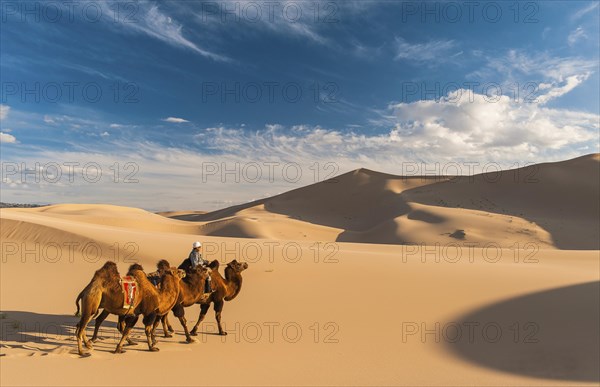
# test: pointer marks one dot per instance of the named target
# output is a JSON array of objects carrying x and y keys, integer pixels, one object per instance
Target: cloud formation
[
  {"x": 470, "y": 124},
  {"x": 153, "y": 22},
  {"x": 6, "y": 138},
  {"x": 584, "y": 10},
  {"x": 576, "y": 35},
  {"x": 175, "y": 120},
  {"x": 4, "y": 109},
  {"x": 518, "y": 63},
  {"x": 288, "y": 17},
  {"x": 434, "y": 51}
]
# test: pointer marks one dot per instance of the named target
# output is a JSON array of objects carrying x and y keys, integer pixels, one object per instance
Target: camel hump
[
  {"x": 109, "y": 265},
  {"x": 214, "y": 265},
  {"x": 109, "y": 269}
]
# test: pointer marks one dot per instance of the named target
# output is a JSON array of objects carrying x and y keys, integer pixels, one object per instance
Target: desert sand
[{"x": 367, "y": 279}]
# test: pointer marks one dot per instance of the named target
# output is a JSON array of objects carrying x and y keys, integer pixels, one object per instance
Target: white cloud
[
  {"x": 6, "y": 138},
  {"x": 4, "y": 109},
  {"x": 576, "y": 35},
  {"x": 104, "y": 134},
  {"x": 585, "y": 10},
  {"x": 545, "y": 32},
  {"x": 304, "y": 30},
  {"x": 469, "y": 124},
  {"x": 293, "y": 18},
  {"x": 558, "y": 89},
  {"x": 175, "y": 120},
  {"x": 433, "y": 52},
  {"x": 49, "y": 120},
  {"x": 520, "y": 66},
  {"x": 115, "y": 126},
  {"x": 149, "y": 20}
]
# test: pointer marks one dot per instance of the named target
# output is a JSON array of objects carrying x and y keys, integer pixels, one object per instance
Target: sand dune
[
  {"x": 551, "y": 204},
  {"x": 443, "y": 309}
]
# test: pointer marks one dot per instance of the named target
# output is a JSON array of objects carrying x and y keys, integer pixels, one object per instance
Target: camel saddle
[{"x": 129, "y": 287}]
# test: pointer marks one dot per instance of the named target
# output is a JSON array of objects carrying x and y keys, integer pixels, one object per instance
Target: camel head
[
  {"x": 233, "y": 273},
  {"x": 238, "y": 267},
  {"x": 163, "y": 265},
  {"x": 135, "y": 267}
]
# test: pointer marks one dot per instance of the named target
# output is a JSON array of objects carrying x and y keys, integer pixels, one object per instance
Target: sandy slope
[
  {"x": 316, "y": 311},
  {"x": 551, "y": 204}
]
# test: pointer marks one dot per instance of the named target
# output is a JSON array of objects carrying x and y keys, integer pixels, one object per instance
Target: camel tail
[{"x": 78, "y": 313}]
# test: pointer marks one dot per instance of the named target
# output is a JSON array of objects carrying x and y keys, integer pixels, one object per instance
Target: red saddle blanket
[{"x": 130, "y": 288}]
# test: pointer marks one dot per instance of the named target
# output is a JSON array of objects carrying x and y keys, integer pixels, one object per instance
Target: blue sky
[{"x": 177, "y": 87}]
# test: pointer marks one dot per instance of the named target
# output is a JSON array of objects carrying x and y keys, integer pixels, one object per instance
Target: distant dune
[{"x": 551, "y": 204}]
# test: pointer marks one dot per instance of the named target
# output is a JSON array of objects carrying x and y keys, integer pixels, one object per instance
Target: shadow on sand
[
  {"x": 39, "y": 331},
  {"x": 550, "y": 334}
]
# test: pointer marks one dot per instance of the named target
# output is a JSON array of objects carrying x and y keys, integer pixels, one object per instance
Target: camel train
[{"x": 158, "y": 293}]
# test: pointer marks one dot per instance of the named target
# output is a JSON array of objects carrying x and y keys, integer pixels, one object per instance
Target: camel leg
[
  {"x": 84, "y": 337},
  {"x": 154, "y": 326},
  {"x": 86, "y": 341},
  {"x": 180, "y": 314},
  {"x": 121, "y": 324},
  {"x": 218, "y": 309},
  {"x": 121, "y": 327},
  {"x": 149, "y": 323},
  {"x": 99, "y": 320},
  {"x": 203, "y": 310},
  {"x": 167, "y": 328},
  {"x": 129, "y": 323},
  {"x": 80, "y": 332}
]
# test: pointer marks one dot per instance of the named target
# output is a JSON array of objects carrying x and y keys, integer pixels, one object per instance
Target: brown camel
[
  {"x": 168, "y": 287},
  {"x": 104, "y": 291},
  {"x": 161, "y": 267},
  {"x": 169, "y": 294},
  {"x": 192, "y": 292},
  {"x": 226, "y": 290}
]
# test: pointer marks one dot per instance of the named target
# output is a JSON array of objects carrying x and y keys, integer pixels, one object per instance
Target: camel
[
  {"x": 161, "y": 267},
  {"x": 168, "y": 294},
  {"x": 192, "y": 292},
  {"x": 226, "y": 289},
  {"x": 104, "y": 291}
]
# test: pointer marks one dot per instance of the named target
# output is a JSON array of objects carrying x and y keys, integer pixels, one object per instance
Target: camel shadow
[
  {"x": 551, "y": 334},
  {"x": 46, "y": 332},
  {"x": 210, "y": 334}
]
